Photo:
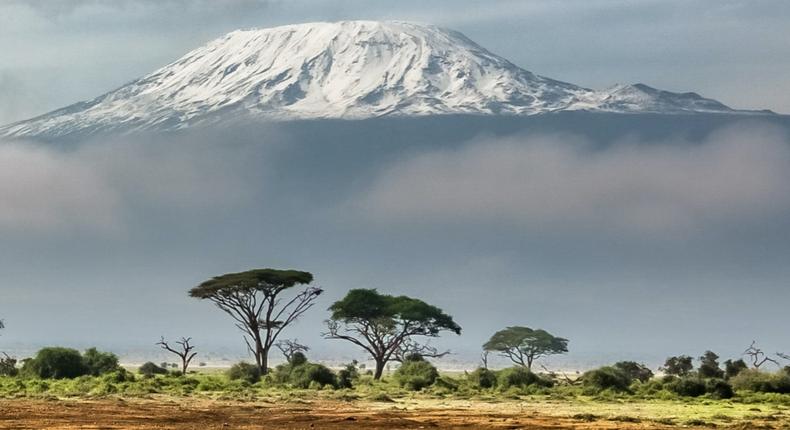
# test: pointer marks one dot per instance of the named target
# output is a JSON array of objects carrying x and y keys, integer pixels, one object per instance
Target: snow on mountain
[{"x": 349, "y": 70}]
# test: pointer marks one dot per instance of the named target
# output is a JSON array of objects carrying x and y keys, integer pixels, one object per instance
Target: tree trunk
[
  {"x": 379, "y": 369},
  {"x": 264, "y": 361},
  {"x": 262, "y": 355}
]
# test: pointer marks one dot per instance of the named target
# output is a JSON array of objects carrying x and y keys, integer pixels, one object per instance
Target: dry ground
[{"x": 169, "y": 413}]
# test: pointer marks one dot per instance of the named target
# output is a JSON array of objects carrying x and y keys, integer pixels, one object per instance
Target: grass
[{"x": 746, "y": 408}]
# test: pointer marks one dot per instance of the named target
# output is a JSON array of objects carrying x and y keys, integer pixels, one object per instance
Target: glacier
[{"x": 342, "y": 70}]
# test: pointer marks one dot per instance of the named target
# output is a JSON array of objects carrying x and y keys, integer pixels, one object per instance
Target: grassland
[{"x": 205, "y": 400}]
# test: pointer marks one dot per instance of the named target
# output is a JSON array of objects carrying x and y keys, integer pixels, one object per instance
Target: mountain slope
[{"x": 350, "y": 70}]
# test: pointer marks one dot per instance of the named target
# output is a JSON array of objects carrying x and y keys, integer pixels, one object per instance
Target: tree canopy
[
  {"x": 523, "y": 345},
  {"x": 253, "y": 299},
  {"x": 382, "y": 324},
  {"x": 264, "y": 280}
]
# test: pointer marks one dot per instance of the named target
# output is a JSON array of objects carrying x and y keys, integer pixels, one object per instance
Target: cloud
[
  {"x": 41, "y": 190},
  {"x": 100, "y": 187},
  {"x": 736, "y": 177}
]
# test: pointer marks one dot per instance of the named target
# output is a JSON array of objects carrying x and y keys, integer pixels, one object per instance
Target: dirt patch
[{"x": 208, "y": 414}]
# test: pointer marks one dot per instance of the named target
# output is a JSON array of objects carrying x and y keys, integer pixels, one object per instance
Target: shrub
[
  {"x": 733, "y": 368},
  {"x": 8, "y": 366},
  {"x": 118, "y": 376},
  {"x": 520, "y": 377},
  {"x": 678, "y": 366},
  {"x": 762, "y": 382},
  {"x": 688, "y": 387},
  {"x": 297, "y": 359},
  {"x": 483, "y": 378},
  {"x": 245, "y": 372},
  {"x": 719, "y": 388},
  {"x": 635, "y": 371},
  {"x": 347, "y": 375},
  {"x": 416, "y": 375},
  {"x": 57, "y": 363},
  {"x": 98, "y": 363},
  {"x": 709, "y": 366},
  {"x": 606, "y": 378},
  {"x": 150, "y": 369},
  {"x": 304, "y": 375}
]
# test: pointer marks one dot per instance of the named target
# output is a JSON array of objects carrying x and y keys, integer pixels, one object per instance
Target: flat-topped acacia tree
[
  {"x": 382, "y": 324},
  {"x": 254, "y": 299},
  {"x": 523, "y": 345}
]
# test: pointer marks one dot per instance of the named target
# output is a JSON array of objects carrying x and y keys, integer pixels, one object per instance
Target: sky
[{"x": 636, "y": 247}]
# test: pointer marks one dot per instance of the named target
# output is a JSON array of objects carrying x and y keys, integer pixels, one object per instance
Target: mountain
[{"x": 345, "y": 70}]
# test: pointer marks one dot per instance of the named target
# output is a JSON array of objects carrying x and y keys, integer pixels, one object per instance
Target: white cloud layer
[
  {"x": 561, "y": 183},
  {"x": 97, "y": 187}
]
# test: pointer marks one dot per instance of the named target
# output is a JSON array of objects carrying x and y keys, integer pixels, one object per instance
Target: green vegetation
[
  {"x": 59, "y": 363},
  {"x": 242, "y": 371},
  {"x": 385, "y": 326},
  {"x": 392, "y": 331},
  {"x": 415, "y": 374},
  {"x": 150, "y": 369},
  {"x": 523, "y": 345},
  {"x": 606, "y": 378},
  {"x": 678, "y": 366},
  {"x": 254, "y": 300}
]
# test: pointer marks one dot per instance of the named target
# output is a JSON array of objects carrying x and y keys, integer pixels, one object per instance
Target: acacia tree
[
  {"x": 254, "y": 299},
  {"x": 183, "y": 351},
  {"x": 523, "y": 345},
  {"x": 382, "y": 324}
]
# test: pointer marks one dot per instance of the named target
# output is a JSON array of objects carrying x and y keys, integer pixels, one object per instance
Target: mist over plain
[{"x": 499, "y": 222}]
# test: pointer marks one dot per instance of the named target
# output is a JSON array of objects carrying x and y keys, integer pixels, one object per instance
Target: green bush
[
  {"x": 483, "y": 378},
  {"x": 56, "y": 363},
  {"x": 150, "y": 369},
  {"x": 719, "y": 388},
  {"x": 678, "y": 366},
  {"x": 245, "y": 372},
  {"x": 416, "y": 374},
  {"x": 347, "y": 375},
  {"x": 99, "y": 363},
  {"x": 8, "y": 366},
  {"x": 762, "y": 382},
  {"x": 606, "y": 378},
  {"x": 297, "y": 359},
  {"x": 520, "y": 377},
  {"x": 733, "y": 368},
  {"x": 635, "y": 371},
  {"x": 118, "y": 376},
  {"x": 305, "y": 375},
  {"x": 688, "y": 386}
]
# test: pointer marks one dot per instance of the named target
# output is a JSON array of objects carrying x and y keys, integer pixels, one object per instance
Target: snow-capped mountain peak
[{"x": 350, "y": 70}]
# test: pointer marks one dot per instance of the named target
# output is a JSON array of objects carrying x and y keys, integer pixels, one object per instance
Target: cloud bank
[
  {"x": 99, "y": 187},
  {"x": 563, "y": 183}
]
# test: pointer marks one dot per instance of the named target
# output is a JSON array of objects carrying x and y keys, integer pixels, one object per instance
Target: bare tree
[
  {"x": 290, "y": 347},
  {"x": 757, "y": 356},
  {"x": 484, "y": 358},
  {"x": 183, "y": 351}
]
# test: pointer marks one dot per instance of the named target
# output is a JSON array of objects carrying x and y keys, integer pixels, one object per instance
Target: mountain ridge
[{"x": 346, "y": 70}]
